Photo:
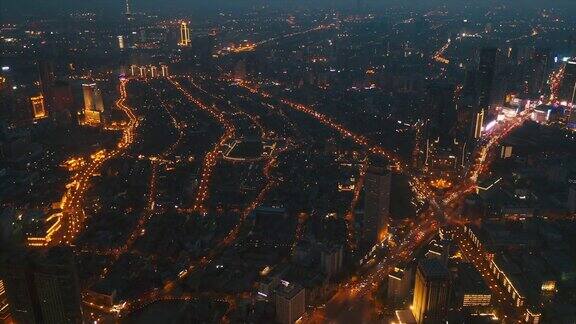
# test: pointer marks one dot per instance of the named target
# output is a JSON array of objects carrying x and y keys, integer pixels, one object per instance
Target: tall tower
[
  {"x": 486, "y": 72},
  {"x": 376, "y": 204},
  {"x": 431, "y": 291},
  {"x": 184, "y": 34},
  {"x": 128, "y": 13}
]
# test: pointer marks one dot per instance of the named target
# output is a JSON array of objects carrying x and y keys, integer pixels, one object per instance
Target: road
[{"x": 71, "y": 220}]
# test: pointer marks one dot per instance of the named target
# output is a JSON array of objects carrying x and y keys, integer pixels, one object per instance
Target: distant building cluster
[{"x": 149, "y": 71}]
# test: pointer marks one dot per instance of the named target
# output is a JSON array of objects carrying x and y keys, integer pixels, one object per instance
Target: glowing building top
[{"x": 184, "y": 34}]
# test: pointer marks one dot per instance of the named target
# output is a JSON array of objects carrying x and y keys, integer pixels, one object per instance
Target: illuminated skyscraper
[
  {"x": 290, "y": 303},
  {"x": 184, "y": 34},
  {"x": 431, "y": 291},
  {"x": 4, "y": 307},
  {"x": 376, "y": 204},
  {"x": 92, "y": 97},
  {"x": 121, "y": 42},
  {"x": 93, "y": 104},
  {"x": 164, "y": 71},
  {"x": 153, "y": 71},
  {"x": 477, "y": 124},
  {"x": 38, "y": 107}
]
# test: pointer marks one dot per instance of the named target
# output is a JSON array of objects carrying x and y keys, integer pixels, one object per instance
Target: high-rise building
[
  {"x": 441, "y": 112},
  {"x": 240, "y": 70},
  {"x": 477, "y": 124},
  {"x": 38, "y": 107},
  {"x": 4, "y": 307},
  {"x": 42, "y": 287},
  {"x": 63, "y": 98},
  {"x": 486, "y": 73},
  {"x": 331, "y": 259},
  {"x": 290, "y": 302},
  {"x": 153, "y": 71},
  {"x": 539, "y": 68},
  {"x": 431, "y": 291},
  {"x": 506, "y": 151},
  {"x": 567, "y": 91},
  {"x": 399, "y": 281},
  {"x": 184, "y": 34},
  {"x": 93, "y": 104},
  {"x": 92, "y": 97},
  {"x": 143, "y": 72},
  {"x": 376, "y": 204},
  {"x": 121, "y": 42},
  {"x": 47, "y": 78},
  {"x": 571, "y": 202},
  {"x": 471, "y": 289},
  {"x": 164, "y": 70}
]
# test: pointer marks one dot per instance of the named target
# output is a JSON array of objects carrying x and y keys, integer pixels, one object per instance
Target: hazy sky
[{"x": 17, "y": 8}]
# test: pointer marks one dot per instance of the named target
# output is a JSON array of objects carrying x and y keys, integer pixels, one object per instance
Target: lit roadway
[
  {"x": 252, "y": 46},
  {"x": 166, "y": 292},
  {"x": 212, "y": 156},
  {"x": 73, "y": 216},
  {"x": 354, "y": 300}
]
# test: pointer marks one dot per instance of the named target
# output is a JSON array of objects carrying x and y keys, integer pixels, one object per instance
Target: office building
[
  {"x": 472, "y": 291},
  {"x": 93, "y": 104},
  {"x": 486, "y": 73},
  {"x": 567, "y": 91},
  {"x": 4, "y": 307},
  {"x": 441, "y": 113},
  {"x": 431, "y": 291},
  {"x": 331, "y": 259},
  {"x": 399, "y": 283},
  {"x": 164, "y": 69},
  {"x": 376, "y": 204},
  {"x": 63, "y": 101},
  {"x": 571, "y": 203},
  {"x": 290, "y": 302},
  {"x": 121, "y": 42},
  {"x": 505, "y": 151},
  {"x": 184, "y": 34},
  {"x": 477, "y": 124},
  {"x": 92, "y": 97},
  {"x": 43, "y": 287},
  {"x": 46, "y": 78},
  {"x": 38, "y": 107}
]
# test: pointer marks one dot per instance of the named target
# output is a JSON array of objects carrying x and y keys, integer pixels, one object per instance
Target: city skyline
[{"x": 288, "y": 162}]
